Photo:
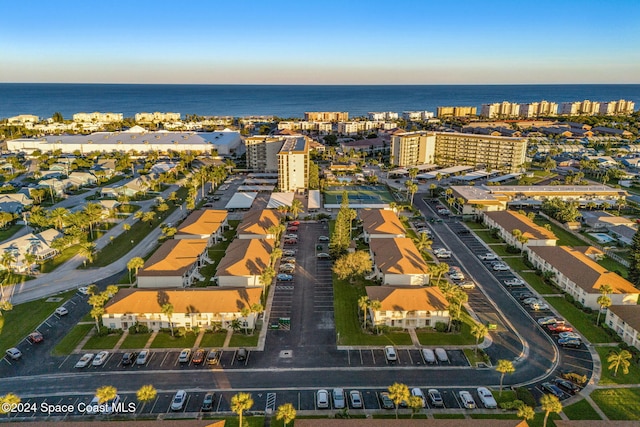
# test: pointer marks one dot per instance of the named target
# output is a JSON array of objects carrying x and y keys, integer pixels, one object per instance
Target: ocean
[{"x": 280, "y": 100}]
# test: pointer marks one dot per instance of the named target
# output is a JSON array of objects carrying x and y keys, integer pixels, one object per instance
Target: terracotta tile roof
[
  {"x": 398, "y": 256},
  {"x": 395, "y": 298},
  {"x": 582, "y": 270},
  {"x": 377, "y": 422},
  {"x": 245, "y": 257},
  {"x": 203, "y": 222},
  {"x": 209, "y": 300},
  {"x": 510, "y": 221},
  {"x": 173, "y": 258},
  {"x": 380, "y": 221},
  {"x": 630, "y": 314},
  {"x": 588, "y": 250},
  {"x": 258, "y": 222}
]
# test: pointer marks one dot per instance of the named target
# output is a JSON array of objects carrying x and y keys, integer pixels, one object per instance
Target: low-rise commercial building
[
  {"x": 397, "y": 261},
  {"x": 408, "y": 307}
]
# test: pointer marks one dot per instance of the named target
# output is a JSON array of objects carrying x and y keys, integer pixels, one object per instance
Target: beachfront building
[
  {"x": 157, "y": 117},
  {"x": 531, "y": 234},
  {"x": 23, "y": 119},
  {"x": 408, "y": 307},
  {"x": 500, "y": 110},
  {"x": 293, "y": 165},
  {"x": 97, "y": 117},
  {"x": 459, "y": 111},
  {"x": 625, "y": 320},
  {"x": 538, "y": 109},
  {"x": 204, "y": 224},
  {"x": 174, "y": 265},
  {"x": 243, "y": 263},
  {"x": 202, "y": 308},
  {"x": 326, "y": 116},
  {"x": 258, "y": 224},
  {"x": 382, "y": 116},
  {"x": 380, "y": 224},
  {"x": 397, "y": 261},
  {"x": 621, "y": 107},
  {"x": 580, "y": 276},
  {"x": 586, "y": 107},
  {"x": 417, "y": 116},
  {"x": 484, "y": 151}
]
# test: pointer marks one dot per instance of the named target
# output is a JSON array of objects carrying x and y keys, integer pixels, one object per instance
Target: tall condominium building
[
  {"x": 417, "y": 116},
  {"x": 262, "y": 152},
  {"x": 538, "y": 109},
  {"x": 443, "y": 148},
  {"x": 620, "y": 107},
  {"x": 456, "y": 111},
  {"x": 293, "y": 164},
  {"x": 97, "y": 117},
  {"x": 382, "y": 116},
  {"x": 500, "y": 110},
  {"x": 326, "y": 116},
  {"x": 157, "y": 117},
  {"x": 586, "y": 107}
]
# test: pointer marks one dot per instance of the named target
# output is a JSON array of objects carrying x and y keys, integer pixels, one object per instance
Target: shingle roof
[
  {"x": 258, "y": 222},
  {"x": 398, "y": 256},
  {"x": 630, "y": 314},
  {"x": 245, "y": 257},
  {"x": 394, "y": 298},
  {"x": 510, "y": 221},
  {"x": 203, "y": 222},
  {"x": 173, "y": 258},
  {"x": 582, "y": 270},
  {"x": 380, "y": 221}
]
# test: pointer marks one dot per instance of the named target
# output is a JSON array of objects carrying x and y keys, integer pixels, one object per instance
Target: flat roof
[
  {"x": 241, "y": 200},
  {"x": 315, "y": 199},
  {"x": 578, "y": 189},
  {"x": 504, "y": 177},
  {"x": 280, "y": 199},
  {"x": 294, "y": 144},
  {"x": 472, "y": 176},
  {"x": 453, "y": 169}
]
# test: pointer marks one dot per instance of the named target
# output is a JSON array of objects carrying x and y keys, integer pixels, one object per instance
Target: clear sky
[{"x": 321, "y": 42}]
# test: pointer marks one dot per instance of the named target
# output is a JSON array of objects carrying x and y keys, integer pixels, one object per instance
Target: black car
[
  {"x": 129, "y": 358},
  {"x": 567, "y": 386},
  {"x": 552, "y": 389},
  {"x": 241, "y": 354},
  {"x": 207, "y": 403},
  {"x": 524, "y": 295}
]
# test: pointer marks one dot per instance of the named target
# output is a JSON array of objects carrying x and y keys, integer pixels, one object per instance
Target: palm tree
[
  {"x": 106, "y": 393},
  {"x": 87, "y": 250},
  {"x": 526, "y": 412},
  {"x": 415, "y": 403},
  {"x": 7, "y": 260},
  {"x": 397, "y": 393},
  {"x": 412, "y": 189},
  {"x": 375, "y": 305},
  {"x": 604, "y": 302},
  {"x": 423, "y": 243},
  {"x": 274, "y": 255},
  {"x": 550, "y": 403},
  {"x": 286, "y": 413},
  {"x": 240, "y": 403},
  {"x": 148, "y": 217},
  {"x": 97, "y": 312},
  {"x": 266, "y": 278},
  {"x": 295, "y": 208},
  {"x": 478, "y": 331},
  {"x": 167, "y": 310},
  {"x": 145, "y": 394},
  {"x": 93, "y": 212},
  {"x": 619, "y": 359},
  {"x": 363, "y": 303},
  {"x": 134, "y": 264},
  {"x": 504, "y": 367},
  {"x": 58, "y": 217},
  {"x": 440, "y": 269},
  {"x": 8, "y": 401}
]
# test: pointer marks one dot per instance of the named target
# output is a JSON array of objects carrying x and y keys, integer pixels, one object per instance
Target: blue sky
[{"x": 321, "y": 42}]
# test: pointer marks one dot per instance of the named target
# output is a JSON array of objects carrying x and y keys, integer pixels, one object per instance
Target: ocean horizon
[{"x": 44, "y": 99}]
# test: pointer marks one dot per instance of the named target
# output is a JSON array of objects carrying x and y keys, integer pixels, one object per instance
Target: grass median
[{"x": 70, "y": 341}]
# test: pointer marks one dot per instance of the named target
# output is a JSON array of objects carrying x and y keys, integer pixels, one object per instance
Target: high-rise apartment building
[
  {"x": 621, "y": 107},
  {"x": 504, "y": 109},
  {"x": 293, "y": 164},
  {"x": 327, "y": 116},
  {"x": 586, "y": 107},
  {"x": 456, "y": 111},
  {"x": 262, "y": 152},
  {"x": 538, "y": 109},
  {"x": 413, "y": 148},
  {"x": 417, "y": 116},
  {"x": 382, "y": 116}
]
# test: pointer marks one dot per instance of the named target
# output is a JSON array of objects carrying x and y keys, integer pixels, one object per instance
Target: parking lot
[{"x": 406, "y": 357}]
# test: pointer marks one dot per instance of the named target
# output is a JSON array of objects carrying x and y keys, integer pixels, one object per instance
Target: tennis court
[{"x": 360, "y": 196}]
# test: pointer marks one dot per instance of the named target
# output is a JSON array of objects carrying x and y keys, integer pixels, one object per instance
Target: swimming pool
[{"x": 603, "y": 238}]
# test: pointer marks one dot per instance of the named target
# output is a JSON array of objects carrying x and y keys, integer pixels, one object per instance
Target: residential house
[
  {"x": 140, "y": 184},
  {"x": 38, "y": 245},
  {"x": 207, "y": 224},
  {"x": 104, "y": 167},
  {"x": 623, "y": 233},
  {"x": 14, "y": 202},
  {"x": 580, "y": 276},
  {"x": 243, "y": 263},
  {"x": 174, "y": 265},
  {"x": 256, "y": 224},
  {"x": 508, "y": 221},
  {"x": 600, "y": 220},
  {"x": 82, "y": 179},
  {"x": 202, "y": 308},
  {"x": 397, "y": 261},
  {"x": 380, "y": 224},
  {"x": 408, "y": 307},
  {"x": 625, "y": 320}
]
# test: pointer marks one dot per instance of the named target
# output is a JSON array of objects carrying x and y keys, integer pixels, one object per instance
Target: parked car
[
  {"x": 356, "y": 399},
  {"x": 467, "y": 285},
  {"x": 100, "y": 358},
  {"x": 93, "y": 408},
  {"x": 84, "y": 360},
  {"x": 570, "y": 342},
  {"x": 467, "y": 400},
  {"x": 566, "y": 386},
  {"x": 129, "y": 358},
  {"x": 443, "y": 254},
  {"x": 569, "y": 335},
  {"x": 292, "y": 228},
  {"x": 524, "y": 295},
  {"x": 322, "y": 399},
  {"x": 61, "y": 311},
  {"x": 488, "y": 256},
  {"x": 143, "y": 357},
  {"x": 323, "y": 255},
  {"x": 385, "y": 400},
  {"x": 111, "y": 406},
  {"x": 513, "y": 282},
  {"x": 439, "y": 249},
  {"x": 294, "y": 223},
  {"x": 486, "y": 397},
  {"x": 288, "y": 260},
  {"x": 435, "y": 397},
  {"x": 441, "y": 354},
  {"x": 390, "y": 354},
  {"x": 539, "y": 306},
  {"x": 284, "y": 277},
  {"x": 500, "y": 267},
  {"x": 457, "y": 276},
  {"x": 287, "y": 268},
  {"x": 418, "y": 393},
  {"x": 289, "y": 252},
  {"x": 84, "y": 290},
  {"x": 241, "y": 354},
  {"x": 552, "y": 389},
  {"x": 548, "y": 320},
  {"x": 338, "y": 398},
  {"x": 198, "y": 356},
  {"x": 556, "y": 328},
  {"x": 207, "y": 402},
  {"x": 429, "y": 355},
  {"x": 13, "y": 353},
  {"x": 323, "y": 239},
  {"x": 529, "y": 301},
  {"x": 291, "y": 241},
  {"x": 184, "y": 356},
  {"x": 35, "y": 337},
  {"x": 178, "y": 400},
  {"x": 213, "y": 358}
]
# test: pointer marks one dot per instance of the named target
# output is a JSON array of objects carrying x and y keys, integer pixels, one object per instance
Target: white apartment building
[
  {"x": 156, "y": 117},
  {"x": 293, "y": 165},
  {"x": 262, "y": 152},
  {"x": 537, "y": 109},
  {"x": 501, "y": 110},
  {"x": 585, "y": 107},
  {"x": 97, "y": 117},
  {"x": 382, "y": 116},
  {"x": 621, "y": 107},
  {"x": 417, "y": 116},
  {"x": 23, "y": 118},
  {"x": 625, "y": 320},
  {"x": 413, "y": 148}
]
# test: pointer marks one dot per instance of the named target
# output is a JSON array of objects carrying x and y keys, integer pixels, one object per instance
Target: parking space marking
[
  {"x": 164, "y": 359},
  {"x": 410, "y": 358},
  {"x": 373, "y": 356}
]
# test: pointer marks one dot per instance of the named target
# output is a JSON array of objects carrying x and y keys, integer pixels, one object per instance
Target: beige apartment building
[
  {"x": 500, "y": 110},
  {"x": 97, "y": 117},
  {"x": 620, "y": 107},
  {"x": 156, "y": 117},
  {"x": 456, "y": 111},
  {"x": 326, "y": 116},
  {"x": 262, "y": 152},
  {"x": 293, "y": 165},
  {"x": 538, "y": 109},
  {"x": 413, "y": 148}
]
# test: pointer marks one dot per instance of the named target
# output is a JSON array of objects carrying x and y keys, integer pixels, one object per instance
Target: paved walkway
[
  {"x": 227, "y": 339},
  {"x": 150, "y": 340},
  {"x": 84, "y": 340},
  {"x": 121, "y": 340},
  {"x": 596, "y": 408},
  {"x": 414, "y": 337},
  {"x": 196, "y": 344}
]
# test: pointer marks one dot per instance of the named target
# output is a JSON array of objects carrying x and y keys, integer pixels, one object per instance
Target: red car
[
  {"x": 291, "y": 242},
  {"x": 294, "y": 223},
  {"x": 35, "y": 337},
  {"x": 292, "y": 228},
  {"x": 556, "y": 328}
]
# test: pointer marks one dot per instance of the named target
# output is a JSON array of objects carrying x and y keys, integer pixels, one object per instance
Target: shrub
[
  {"x": 569, "y": 298},
  {"x": 512, "y": 249},
  {"x": 138, "y": 329},
  {"x": 514, "y": 404},
  {"x": 576, "y": 378},
  {"x": 523, "y": 394},
  {"x": 441, "y": 327},
  {"x": 588, "y": 310}
]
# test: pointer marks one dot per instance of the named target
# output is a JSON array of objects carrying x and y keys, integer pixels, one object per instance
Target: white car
[
  {"x": 178, "y": 400},
  {"x": 390, "y": 354},
  {"x": 356, "y": 399},
  {"x": 100, "y": 358},
  {"x": 84, "y": 290},
  {"x": 539, "y": 306},
  {"x": 486, "y": 397},
  {"x": 323, "y": 239},
  {"x": 93, "y": 408},
  {"x": 441, "y": 354},
  {"x": 429, "y": 355},
  {"x": 13, "y": 353},
  {"x": 513, "y": 282},
  {"x": 418, "y": 393},
  {"x": 443, "y": 254},
  {"x": 143, "y": 356},
  {"x": 569, "y": 335},
  {"x": 84, "y": 360},
  {"x": 111, "y": 405},
  {"x": 467, "y": 285},
  {"x": 488, "y": 256},
  {"x": 457, "y": 276},
  {"x": 323, "y": 255},
  {"x": 529, "y": 301},
  {"x": 500, "y": 267},
  {"x": 338, "y": 398},
  {"x": 61, "y": 311},
  {"x": 322, "y": 399},
  {"x": 467, "y": 400}
]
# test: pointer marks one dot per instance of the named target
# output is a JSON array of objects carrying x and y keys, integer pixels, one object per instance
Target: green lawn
[
  {"x": 475, "y": 225},
  {"x": 581, "y": 410},
  {"x": 165, "y": 340},
  {"x": 488, "y": 237},
  {"x": 494, "y": 416},
  {"x": 539, "y": 284},
  {"x": 6, "y": 233},
  {"x": 16, "y": 324},
  {"x": 633, "y": 377},
  {"x": 70, "y": 341},
  {"x": 473, "y": 357},
  {"x": 565, "y": 238},
  {"x": 579, "y": 319},
  {"x": 516, "y": 264},
  {"x": 252, "y": 421},
  {"x": 538, "y": 420},
  {"x": 403, "y": 414},
  {"x": 464, "y": 337},
  {"x": 135, "y": 341},
  {"x": 614, "y": 266},
  {"x": 238, "y": 339},
  {"x": 448, "y": 416},
  {"x": 217, "y": 251},
  {"x": 102, "y": 343},
  {"x": 213, "y": 339},
  {"x": 61, "y": 258},
  {"x": 618, "y": 404},
  {"x": 501, "y": 250}
]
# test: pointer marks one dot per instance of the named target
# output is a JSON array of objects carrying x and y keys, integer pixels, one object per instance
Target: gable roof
[
  {"x": 510, "y": 221},
  {"x": 258, "y": 222},
  {"x": 216, "y": 300},
  {"x": 582, "y": 270},
  {"x": 245, "y": 257},
  {"x": 395, "y": 298},
  {"x": 630, "y": 314},
  {"x": 380, "y": 221},
  {"x": 398, "y": 255},
  {"x": 173, "y": 258},
  {"x": 203, "y": 222}
]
